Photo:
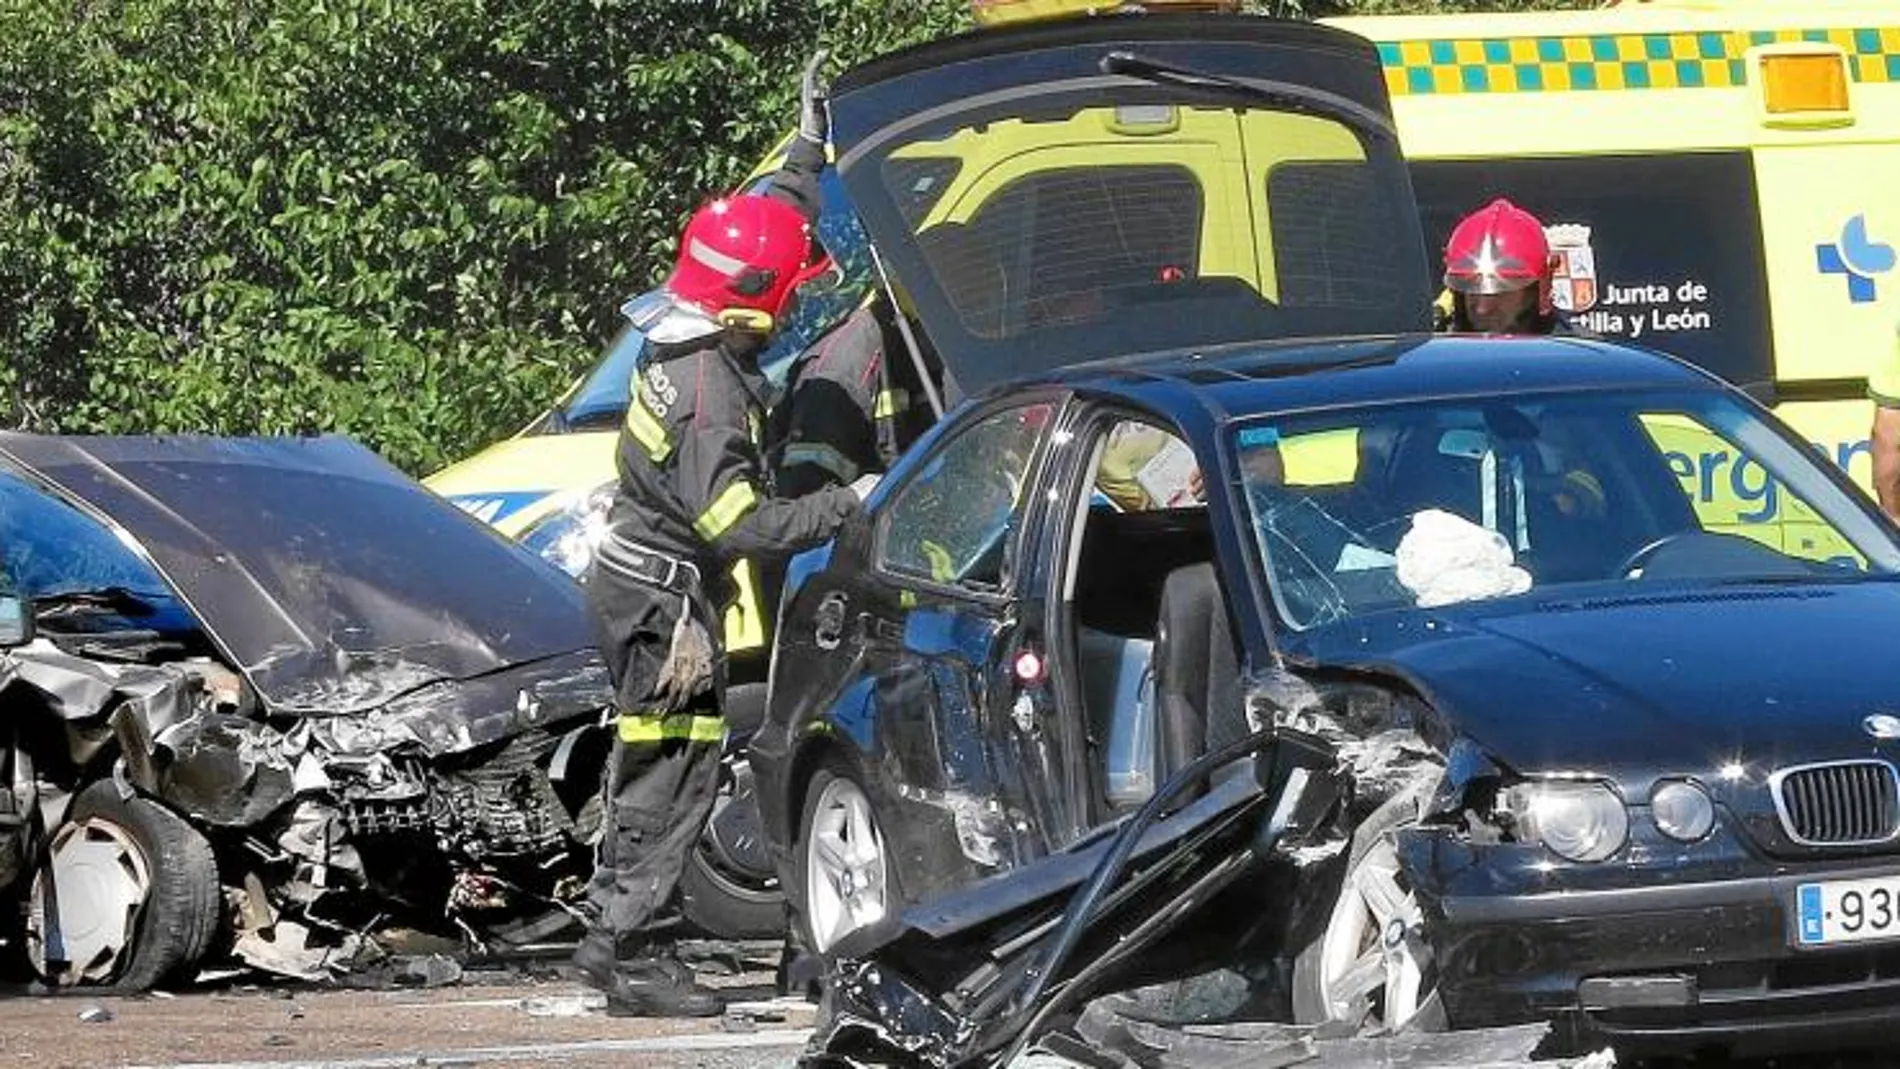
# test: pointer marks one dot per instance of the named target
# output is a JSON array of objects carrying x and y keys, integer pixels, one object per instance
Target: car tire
[
  {"x": 1359, "y": 936},
  {"x": 721, "y": 896},
  {"x": 130, "y": 856},
  {"x": 840, "y": 833}
]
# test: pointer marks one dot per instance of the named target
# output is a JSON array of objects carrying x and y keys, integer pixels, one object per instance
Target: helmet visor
[
  {"x": 667, "y": 320},
  {"x": 1485, "y": 283}
]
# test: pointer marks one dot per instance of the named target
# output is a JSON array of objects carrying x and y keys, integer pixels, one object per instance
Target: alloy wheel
[
  {"x": 846, "y": 887},
  {"x": 1372, "y": 952}
]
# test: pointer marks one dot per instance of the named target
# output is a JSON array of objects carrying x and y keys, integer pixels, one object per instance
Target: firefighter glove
[{"x": 813, "y": 123}]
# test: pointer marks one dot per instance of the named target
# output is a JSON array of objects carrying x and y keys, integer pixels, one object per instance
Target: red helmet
[
  {"x": 1500, "y": 248},
  {"x": 742, "y": 257}
]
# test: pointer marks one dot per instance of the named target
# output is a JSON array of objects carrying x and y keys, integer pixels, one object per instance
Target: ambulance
[{"x": 1720, "y": 180}]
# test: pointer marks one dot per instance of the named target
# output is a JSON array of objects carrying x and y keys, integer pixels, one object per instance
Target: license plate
[{"x": 1848, "y": 911}]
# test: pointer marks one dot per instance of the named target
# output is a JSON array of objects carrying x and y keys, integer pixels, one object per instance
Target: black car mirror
[{"x": 16, "y": 621}]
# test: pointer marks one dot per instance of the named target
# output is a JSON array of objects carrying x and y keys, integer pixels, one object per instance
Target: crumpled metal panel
[
  {"x": 74, "y": 688},
  {"x": 334, "y": 582},
  {"x": 226, "y": 770}
]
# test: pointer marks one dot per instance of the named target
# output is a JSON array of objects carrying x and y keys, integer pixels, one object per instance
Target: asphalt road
[
  {"x": 501, "y": 1021},
  {"x": 531, "y": 1015}
]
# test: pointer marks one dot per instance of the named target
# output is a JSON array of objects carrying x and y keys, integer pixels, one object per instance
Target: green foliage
[
  {"x": 410, "y": 221},
  {"x": 406, "y": 220}
]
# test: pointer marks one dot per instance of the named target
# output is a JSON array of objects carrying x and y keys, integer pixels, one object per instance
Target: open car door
[{"x": 973, "y": 977}]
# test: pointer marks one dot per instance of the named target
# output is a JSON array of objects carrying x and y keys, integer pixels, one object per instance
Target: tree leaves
[{"x": 411, "y": 221}]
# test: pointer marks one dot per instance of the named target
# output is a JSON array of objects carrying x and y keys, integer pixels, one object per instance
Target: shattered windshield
[
  {"x": 50, "y": 548},
  {"x": 1434, "y": 504}
]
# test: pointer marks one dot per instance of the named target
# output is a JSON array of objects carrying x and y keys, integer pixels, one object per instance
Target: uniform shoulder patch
[{"x": 656, "y": 389}]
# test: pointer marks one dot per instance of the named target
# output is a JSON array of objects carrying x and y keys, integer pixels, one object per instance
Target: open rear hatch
[{"x": 1094, "y": 188}]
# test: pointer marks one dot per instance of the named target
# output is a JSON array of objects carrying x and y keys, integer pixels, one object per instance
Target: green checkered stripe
[{"x": 1615, "y": 61}]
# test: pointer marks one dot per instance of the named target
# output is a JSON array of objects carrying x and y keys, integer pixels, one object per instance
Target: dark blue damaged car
[{"x": 1410, "y": 679}]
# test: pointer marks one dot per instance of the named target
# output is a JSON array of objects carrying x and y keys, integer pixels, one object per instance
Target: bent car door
[
  {"x": 913, "y": 627},
  {"x": 973, "y": 977}
]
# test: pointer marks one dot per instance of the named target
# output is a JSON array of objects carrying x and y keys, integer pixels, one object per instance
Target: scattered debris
[
  {"x": 565, "y": 1005},
  {"x": 433, "y": 970},
  {"x": 95, "y": 1015},
  {"x": 738, "y": 1022},
  {"x": 278, "y": 1039}
]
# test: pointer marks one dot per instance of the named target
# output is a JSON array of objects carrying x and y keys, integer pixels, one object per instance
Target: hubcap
[
  {"x": 1371, "y": 952},
  {"x": 86, "y": 898},
  {"x": 844, "y": 865}
]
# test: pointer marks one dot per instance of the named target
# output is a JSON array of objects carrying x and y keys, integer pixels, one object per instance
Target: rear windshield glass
[{"x": 1061, "y": 228}]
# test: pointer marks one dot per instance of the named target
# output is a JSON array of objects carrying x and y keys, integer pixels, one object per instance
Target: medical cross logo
[{"x": 1858, "y": 257}]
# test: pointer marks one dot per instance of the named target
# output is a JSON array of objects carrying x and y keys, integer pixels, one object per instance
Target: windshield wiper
[
  {"x": 116, "y": 600},
  {"x": 1272, "y": 94}
]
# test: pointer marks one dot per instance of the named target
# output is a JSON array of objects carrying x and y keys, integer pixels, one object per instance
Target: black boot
[{"x": 655, "y": 984}]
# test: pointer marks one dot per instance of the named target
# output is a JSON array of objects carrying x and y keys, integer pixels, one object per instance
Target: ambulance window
[
  {"x": 1663, "y": 251},
  {"x": 1332, "y": 231},
  {"x": 1089, "y": 239}
]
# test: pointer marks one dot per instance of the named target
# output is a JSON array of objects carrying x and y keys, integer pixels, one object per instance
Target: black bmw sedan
[{"x": 1607, "y": 751}]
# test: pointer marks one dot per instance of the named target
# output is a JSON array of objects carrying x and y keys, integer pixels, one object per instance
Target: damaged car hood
[
  {"x": 1627, "y": 678},
  {"x": 331, "y": 580}
]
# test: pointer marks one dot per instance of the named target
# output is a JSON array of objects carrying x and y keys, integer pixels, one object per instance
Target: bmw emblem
[{"x": 1883, "y": 726}]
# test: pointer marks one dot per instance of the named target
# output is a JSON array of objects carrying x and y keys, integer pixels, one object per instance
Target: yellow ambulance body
[{"x": 1721, "y": 179}]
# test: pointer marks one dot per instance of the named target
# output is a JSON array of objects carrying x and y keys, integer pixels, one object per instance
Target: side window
[
  {"x": 1144, "y": 468},
  {"x": 953, "y": 521},
  {"x": 1658, "y": 250}
]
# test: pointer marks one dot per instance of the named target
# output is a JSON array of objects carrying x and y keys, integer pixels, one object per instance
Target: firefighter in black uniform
[
  {"x": 854, "y": 405},
  {"x": 694, "y": 497}
]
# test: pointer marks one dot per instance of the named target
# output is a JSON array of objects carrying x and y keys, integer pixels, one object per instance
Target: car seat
[{"x": 1198, "y": 699}]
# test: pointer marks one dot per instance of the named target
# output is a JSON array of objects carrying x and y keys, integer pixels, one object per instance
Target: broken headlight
[
  {"x": 1577, "y": 820},
  {"x": 568, "y": 536}
]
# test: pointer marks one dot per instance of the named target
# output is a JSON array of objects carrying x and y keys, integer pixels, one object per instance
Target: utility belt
[{"x": 648, "y": 566}]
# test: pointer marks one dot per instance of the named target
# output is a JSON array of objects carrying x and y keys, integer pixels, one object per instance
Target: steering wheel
[{"x": 1634, "y": 563}]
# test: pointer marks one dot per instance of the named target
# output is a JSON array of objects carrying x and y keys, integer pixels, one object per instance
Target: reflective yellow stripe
[
  {"x": 820, "y": 455},
  {"x": 734, "y": 502},
  {"x": 637, "y": 728},
  {"x": 890, "y": 403},
  {"x": 648, "y": 431},
  {"x": 745, "y": 621}
]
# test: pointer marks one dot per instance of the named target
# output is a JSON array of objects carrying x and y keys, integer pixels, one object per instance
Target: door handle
[{"x": 877, "y": 629}]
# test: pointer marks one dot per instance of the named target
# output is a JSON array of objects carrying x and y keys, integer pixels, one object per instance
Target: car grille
[{"x": 1849, "y": 803}]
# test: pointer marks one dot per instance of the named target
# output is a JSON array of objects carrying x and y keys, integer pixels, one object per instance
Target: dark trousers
[{"x": 663, "y": 774}]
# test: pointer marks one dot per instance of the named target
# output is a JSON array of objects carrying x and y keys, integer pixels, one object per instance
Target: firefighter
[
  {"x": 1498, "y": 271},
  {"x": 694, "y": 496},
  {"x": 855, "y": 403}
]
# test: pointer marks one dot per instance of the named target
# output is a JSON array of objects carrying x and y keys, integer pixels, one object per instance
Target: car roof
[{"x": 1235, "y": 382}]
